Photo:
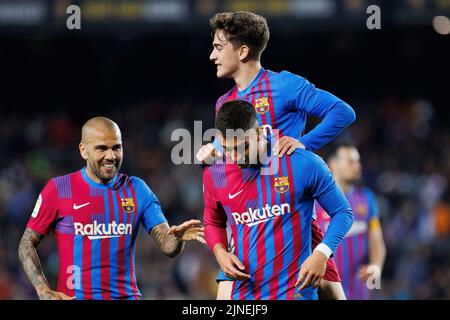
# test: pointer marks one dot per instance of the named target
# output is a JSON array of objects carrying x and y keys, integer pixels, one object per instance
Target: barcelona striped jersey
[
  {"x": 354, "y": 249},
  {"x": 283, "y": 101},
  {"x": 270, "y": 217},
  {"x": 95, "y": 226}
]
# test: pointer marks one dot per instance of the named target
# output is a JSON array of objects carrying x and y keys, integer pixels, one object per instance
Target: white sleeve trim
[{"x": 322, "y": 247}]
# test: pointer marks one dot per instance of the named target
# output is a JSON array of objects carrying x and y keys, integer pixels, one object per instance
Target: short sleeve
[
  {"x": 45, "y": 210},
  {"x": 152, "y": 214}
]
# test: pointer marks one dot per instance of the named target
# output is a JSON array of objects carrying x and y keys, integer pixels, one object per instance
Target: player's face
[
  {"x": 103, "y": 154},
  {"x": 348, "y": 165},
  {"x": 244, "y": 150},
  {"x": 224, "y": 56}
]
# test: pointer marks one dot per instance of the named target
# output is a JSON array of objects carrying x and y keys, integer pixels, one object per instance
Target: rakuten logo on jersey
[
  {"x": 102, "y": 231},
  {"x": 260, "y": 215}
]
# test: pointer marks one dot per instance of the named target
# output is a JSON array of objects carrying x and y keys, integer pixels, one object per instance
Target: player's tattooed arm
[
  {"x": 32, "y": 266},
  {"x": 171, "y": 240},
  {"x": 169, "y": 244}
]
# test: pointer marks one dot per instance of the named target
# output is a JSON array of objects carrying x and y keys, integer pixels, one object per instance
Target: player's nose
[
  {"x": 110, "y": 155},
  {"x": 212, "y": 56}
]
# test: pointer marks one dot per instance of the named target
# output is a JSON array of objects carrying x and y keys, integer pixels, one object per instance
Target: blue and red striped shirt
[
  {"x": 95, "y": 226},
  {"x": 354, "y": 249},
  {"x": 284, "y": 100},
  {"x": 270, "y": 218}
]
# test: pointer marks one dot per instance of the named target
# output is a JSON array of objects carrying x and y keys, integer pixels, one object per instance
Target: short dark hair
[
  {"x": 241, "y": 28},
  {"x": 334, "y": 149},
  {"x": 235, "y": 114}
]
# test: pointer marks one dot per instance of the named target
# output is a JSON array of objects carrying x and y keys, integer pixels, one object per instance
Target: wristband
[{"x": 322, "y": 247}]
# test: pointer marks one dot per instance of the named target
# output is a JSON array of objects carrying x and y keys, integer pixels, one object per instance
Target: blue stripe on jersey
[
  {"x": 127, "y": 243},
  {"x": 218, "y": 175},
  {"x": 63, "y": 186},
  {"x": 288, "y": 237},
  {"x": 268, "y": 238},
  {"x": 107, "y": 221},
  {"x": 96, "y": 255},
  {"x": 135, "y": 222},
  {"x": 355, "y": 252},
  {"x": 263, "y": 287},
  {"x": 240, "y": 245},
  {"x": 78, "y": 261},
  {"x": 345, "y": 263},
  {"x": 113, "y": 252},
  {"x": 253, "y": 252}
]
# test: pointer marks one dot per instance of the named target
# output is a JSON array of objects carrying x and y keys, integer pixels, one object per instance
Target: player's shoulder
[
  {"x": 62, "y": 181},
  {"x": 306, "y": 159},
  {"x": 136, "y": 181},
  {"x": 370, "y": 194},
  {"x": 287, "y": 76},
  {"x": 224, "y": 97}
]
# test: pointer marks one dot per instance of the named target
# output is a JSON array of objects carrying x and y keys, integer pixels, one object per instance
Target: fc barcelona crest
[
  {"x": 127, "y": 204},
  {"x": 361, "y": 210},
  {"x": 262, "y": 105},
  {"x": 281, "y": 184}
]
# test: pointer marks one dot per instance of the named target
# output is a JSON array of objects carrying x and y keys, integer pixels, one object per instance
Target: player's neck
[
  {"x": 94, "y": 178},
  {"x": 345, "y": 187},
  {"x": 246, "y": 74}
]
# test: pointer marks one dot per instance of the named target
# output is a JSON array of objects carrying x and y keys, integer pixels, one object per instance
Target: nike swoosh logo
[
  {"x": 75, "y": 207},
  {"x": 230, "y": 196}
]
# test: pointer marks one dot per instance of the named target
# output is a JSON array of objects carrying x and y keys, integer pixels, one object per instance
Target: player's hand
[
  {"x": 364, "y": 272},
  {"x": 208, "y": 154},
  {"x": 189, "y": 230},
  {"x": 312, "y": 270},
  {"x": 53, "y": 295},
  {"x": 231, "y": 265},
  {"x": 286, "y": 145}
]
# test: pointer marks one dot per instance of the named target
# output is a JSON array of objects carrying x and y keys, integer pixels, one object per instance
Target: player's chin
[
  {"x": 108, "y": 173},
  {"x": 221, "y": 74}
]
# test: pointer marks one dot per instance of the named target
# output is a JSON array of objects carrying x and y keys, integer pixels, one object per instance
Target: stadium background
[{"x": 145, "y": 65}]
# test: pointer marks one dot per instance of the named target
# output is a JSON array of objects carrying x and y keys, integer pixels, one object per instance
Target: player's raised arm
[
  {"x": 332, "y": 200},
  {"x": 335, "y": 113}
]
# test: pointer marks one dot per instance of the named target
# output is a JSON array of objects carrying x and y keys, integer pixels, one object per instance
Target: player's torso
[
  {"x": 271, "y": 107},
  {"x": 353, "y": 251},
  {"x": 270, "y": 221},
  {"x": 95, "y": 231}
]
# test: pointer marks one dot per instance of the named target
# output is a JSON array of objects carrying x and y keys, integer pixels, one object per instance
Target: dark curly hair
[
  {"x": 235, "y": 114},
  {"x": 241, "y": 28}
]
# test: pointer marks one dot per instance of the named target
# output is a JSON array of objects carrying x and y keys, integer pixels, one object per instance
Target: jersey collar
[{"x": 92, "y": 183}]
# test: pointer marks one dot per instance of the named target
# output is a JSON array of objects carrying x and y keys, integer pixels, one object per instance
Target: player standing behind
[
  {"x": 270, "y": 214},
  {"x": 282, "y": 101},
  {"x": 362, "y": 253},
  {"x": 95, "y": 214}
]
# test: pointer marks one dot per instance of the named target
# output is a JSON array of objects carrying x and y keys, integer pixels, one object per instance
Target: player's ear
[
  {"x": 83, "y": 151},
  {"x": 244, "y": 53}
]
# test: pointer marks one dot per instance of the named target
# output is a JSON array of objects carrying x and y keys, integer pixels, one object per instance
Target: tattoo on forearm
[
  {"x": 30, "y": 260},
  {"x": 169, "y": 244}
]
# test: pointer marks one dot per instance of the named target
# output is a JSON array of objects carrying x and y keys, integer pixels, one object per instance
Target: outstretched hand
[
  {"x": 53, "y": 295},
  {"x": 188, "y": 231}
]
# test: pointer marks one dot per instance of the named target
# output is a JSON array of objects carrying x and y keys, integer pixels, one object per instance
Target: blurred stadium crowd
[{"x": 405, "y": 148}]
